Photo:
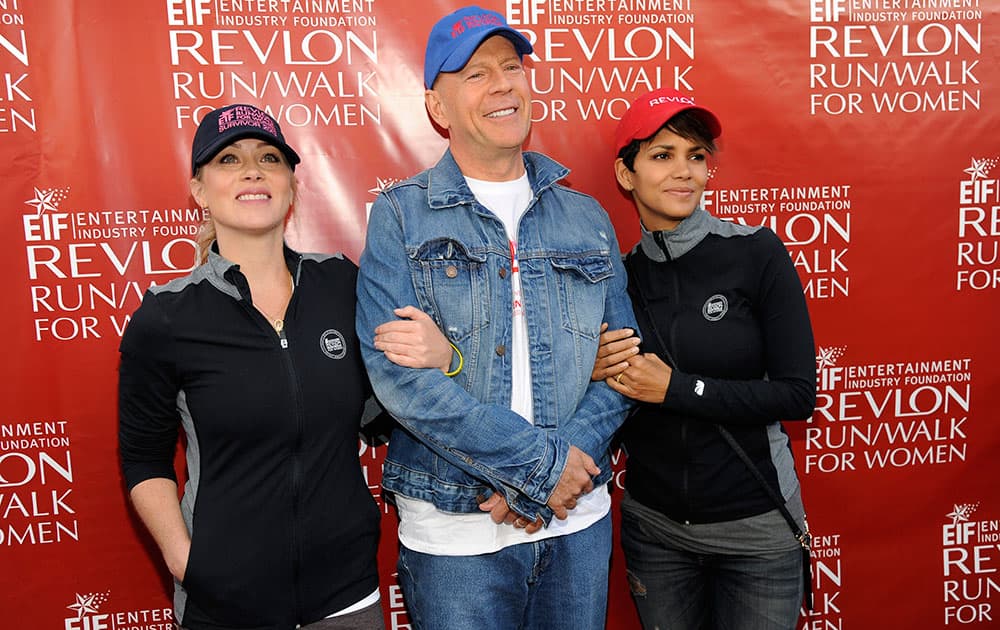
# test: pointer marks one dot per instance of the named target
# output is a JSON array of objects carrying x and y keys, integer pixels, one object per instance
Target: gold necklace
[{"x": 278, "y": 323}]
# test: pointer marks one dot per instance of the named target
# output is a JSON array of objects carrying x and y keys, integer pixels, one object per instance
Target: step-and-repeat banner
[{"x": 865, "y": 133}]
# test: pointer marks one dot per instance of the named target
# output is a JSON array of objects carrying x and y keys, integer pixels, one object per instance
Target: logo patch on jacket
[
  {"x": 715, "y": 308},
  {"x": 333, "y": 345}
]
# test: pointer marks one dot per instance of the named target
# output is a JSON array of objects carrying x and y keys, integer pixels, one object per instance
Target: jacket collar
[
  {"x": 666, "y": 245},
  {"x": 446, "y": 186},
  {"x": 221, "y": 270},
  {"x": 678, "y": 241}
]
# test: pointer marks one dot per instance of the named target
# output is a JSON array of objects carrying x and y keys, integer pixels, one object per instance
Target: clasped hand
[
  {"x": 575, "y": 481},
  {"x": 413, "y": 341},
  {"x": 640, "y": 376}
]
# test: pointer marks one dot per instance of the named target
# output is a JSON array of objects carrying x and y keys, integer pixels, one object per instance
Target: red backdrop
[{"x": 864, "y": 132}]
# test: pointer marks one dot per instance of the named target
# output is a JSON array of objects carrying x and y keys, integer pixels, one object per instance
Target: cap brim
[
  {"x": 652, "y": 125},
  {"x": 212, "y": 149}
]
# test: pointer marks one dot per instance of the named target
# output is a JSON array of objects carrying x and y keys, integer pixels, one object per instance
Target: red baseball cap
[{"x": 651, "y": 110}]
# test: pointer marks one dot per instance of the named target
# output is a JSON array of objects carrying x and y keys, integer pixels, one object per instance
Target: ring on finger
[{"x": 618, "y": 379}]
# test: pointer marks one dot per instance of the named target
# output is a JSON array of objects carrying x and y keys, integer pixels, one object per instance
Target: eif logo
[
  {"x": 826, "y": 10},
  {"x": 46, "y": 224},
  {"x": 187, "y": 12},
  {"x": 524, "y": 11},
  {"x": 87, "y": 615},
  {"x": 828, "y": 375}
]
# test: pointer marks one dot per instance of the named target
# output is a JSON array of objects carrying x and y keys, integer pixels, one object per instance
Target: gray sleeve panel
[
  {"x": 781, "y": 458},
  {"x": 193, "y": 458}
]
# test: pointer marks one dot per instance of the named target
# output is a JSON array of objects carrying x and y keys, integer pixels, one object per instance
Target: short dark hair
[{"x": 686, "y": 124}]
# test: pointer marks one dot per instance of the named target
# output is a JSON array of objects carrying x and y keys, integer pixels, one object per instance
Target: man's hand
[
  {"x": 500, "y": 512},
  {"x": 413, "y": 341},
  {"x": 615, "y": 349},
  {"x": 575, "y": 481}
]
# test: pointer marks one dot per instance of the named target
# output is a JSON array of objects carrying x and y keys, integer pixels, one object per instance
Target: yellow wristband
[{"x": 461, "y": 361}]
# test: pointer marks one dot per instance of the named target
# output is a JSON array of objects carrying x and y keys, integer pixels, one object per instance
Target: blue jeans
[
  {"x": 678, "y": 585},
  {"x": 554, "y": 583}
]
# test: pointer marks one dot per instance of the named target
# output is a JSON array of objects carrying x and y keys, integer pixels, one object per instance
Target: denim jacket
[{"x": 432, "y": 245}]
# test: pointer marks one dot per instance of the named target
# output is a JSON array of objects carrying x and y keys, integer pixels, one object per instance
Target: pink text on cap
[{"x": 246, "y": 117}]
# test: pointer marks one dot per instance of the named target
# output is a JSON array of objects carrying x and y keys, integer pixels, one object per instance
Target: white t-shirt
[{"x": 426, "y": 529}]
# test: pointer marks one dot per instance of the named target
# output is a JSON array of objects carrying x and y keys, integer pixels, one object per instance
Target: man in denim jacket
[{"x": 500, "y": 472}]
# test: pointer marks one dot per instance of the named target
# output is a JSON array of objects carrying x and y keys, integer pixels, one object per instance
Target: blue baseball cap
[{"x": 456, "y": 37}]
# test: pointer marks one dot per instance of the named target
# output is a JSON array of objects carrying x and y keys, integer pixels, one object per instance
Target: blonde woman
[{"x": 254, "y": 355}]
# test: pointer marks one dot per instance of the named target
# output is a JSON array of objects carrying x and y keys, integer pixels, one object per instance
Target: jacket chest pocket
[
  {"x": 582, "y": 291},
  {"x": 451, "y": 284}
]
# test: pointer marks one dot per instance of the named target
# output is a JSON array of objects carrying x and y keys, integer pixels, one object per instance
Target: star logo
[
  {"x": 962, "y": 512},
  {"x": 382, "y": 184},
  {"x": 980, "y": 169},
  {"x": 828, "y": 357},
  {"x": 84, "y": 604},
  {"x": 89, "y": 603},
  {"x": 977, "y": 170},
  {"x": 42, "y": 201},
  {"x": 47, "y": 200}
]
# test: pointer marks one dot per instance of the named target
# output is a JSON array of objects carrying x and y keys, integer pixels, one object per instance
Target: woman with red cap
[
  {"x": 713, "y": 526},
  {"x": 254, "y": 354}
]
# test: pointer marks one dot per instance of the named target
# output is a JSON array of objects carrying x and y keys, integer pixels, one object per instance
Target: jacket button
[
  {"x": 451, "y": 271},
  {"x": 503, "y": 272},
  {"x": 501, "y": 350}
]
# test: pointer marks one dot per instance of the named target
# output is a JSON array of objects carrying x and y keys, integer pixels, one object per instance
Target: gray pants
[
  {"x": 365, "y": 619},
  {"x": 369, "y": 618}
]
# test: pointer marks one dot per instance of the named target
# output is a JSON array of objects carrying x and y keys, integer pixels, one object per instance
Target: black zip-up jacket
[
  {"x": 728, "y": 305},
  {"x": 283, "y": 526}
]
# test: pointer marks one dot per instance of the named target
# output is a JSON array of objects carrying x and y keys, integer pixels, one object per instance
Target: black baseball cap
[{"x": 226, "y": 125}]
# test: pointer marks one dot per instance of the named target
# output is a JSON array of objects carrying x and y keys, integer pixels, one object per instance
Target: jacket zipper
[
  {"x": 296, "y": 467},
  {"x": 294, "y": 393},
  {"x": 671, "y": 337}
]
